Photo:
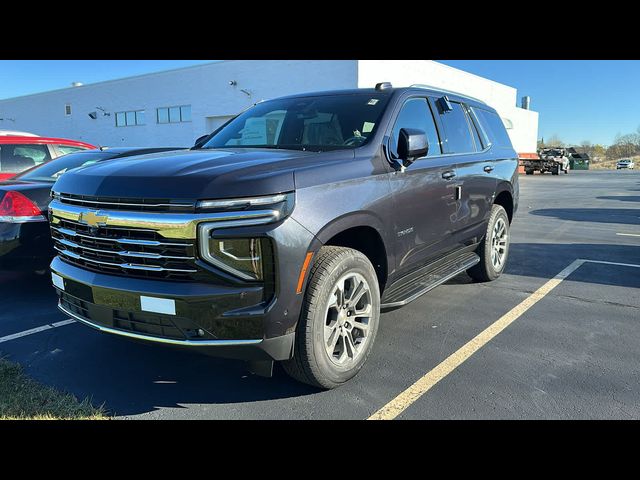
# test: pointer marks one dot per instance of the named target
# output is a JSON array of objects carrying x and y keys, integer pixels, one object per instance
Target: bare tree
[{"x": 555, "y": 141}]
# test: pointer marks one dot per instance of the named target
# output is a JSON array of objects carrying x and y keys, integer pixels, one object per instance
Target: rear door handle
[
  {"x": 448, "y": 175},
  {"x": 488, "y": 169}
]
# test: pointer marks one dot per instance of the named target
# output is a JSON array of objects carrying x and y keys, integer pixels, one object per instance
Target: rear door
[
  {"x": 474, "y": 183},
  {"x": 424, "y": 197}
]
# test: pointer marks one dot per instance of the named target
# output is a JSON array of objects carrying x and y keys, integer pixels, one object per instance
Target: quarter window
[
  {"x": 494, "y": 126},
  {"x": 416, "y": 113},
  {"x": 459, "y": 138},
  {"x": 64, "y": 149}
]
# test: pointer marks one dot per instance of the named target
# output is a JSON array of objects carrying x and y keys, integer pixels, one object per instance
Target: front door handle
[
  {"x": 448, "y": 175},
  {"x": 488, "y": 169}
]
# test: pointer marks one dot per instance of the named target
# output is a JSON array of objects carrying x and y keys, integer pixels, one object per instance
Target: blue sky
[{"x": 577, "y": 100}]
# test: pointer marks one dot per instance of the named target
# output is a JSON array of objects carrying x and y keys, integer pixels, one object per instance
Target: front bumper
[
  {"x": 210, "y": 319},
  {"x": 230, "y": 318}
]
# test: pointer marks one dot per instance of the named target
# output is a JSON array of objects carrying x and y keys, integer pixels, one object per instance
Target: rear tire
[
  {"x": 337, "y": 326},
  {"x": 529, "y": 172},
  {"x": 494, "y": 248}
]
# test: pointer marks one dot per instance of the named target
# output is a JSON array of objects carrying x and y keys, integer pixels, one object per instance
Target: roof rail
[{"x": 431, "y": 87}]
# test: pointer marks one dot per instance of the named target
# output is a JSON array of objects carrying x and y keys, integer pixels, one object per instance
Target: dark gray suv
[{"x": 283, "y": 235}]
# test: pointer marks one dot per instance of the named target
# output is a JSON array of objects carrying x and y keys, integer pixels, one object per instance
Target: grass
[{"x": 22, "y": 398}]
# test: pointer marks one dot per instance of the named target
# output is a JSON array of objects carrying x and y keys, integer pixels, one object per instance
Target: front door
[{"x": 424, "y": 194}]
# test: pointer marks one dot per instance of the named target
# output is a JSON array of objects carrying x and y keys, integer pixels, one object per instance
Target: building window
[
  {"x": 130, "y": 118},
  {"x": 177, "y": 114},
  {"x": 67, "y": 109}
]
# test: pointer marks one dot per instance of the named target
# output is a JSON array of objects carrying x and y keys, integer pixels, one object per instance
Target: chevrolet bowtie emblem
[{"x": 93, "y": 219}]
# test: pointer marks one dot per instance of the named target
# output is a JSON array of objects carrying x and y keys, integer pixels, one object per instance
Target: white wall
[
  {"x": 402, "y": 73},
  {"x": 205, "y": 87}
]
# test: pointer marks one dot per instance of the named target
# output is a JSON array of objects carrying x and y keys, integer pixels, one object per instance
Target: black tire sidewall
[
  {"x": 356, "y": 263},
  {"x": 498, "y": 212}
]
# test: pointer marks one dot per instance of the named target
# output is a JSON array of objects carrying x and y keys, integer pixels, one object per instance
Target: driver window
[{"x": 416, "y": 113}]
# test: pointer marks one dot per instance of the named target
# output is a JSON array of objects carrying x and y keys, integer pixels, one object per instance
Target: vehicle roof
[
  {"x": 16, "y": 133},
  {"x": 39, "y": 140},
  {"x": 390, "y": 91}
]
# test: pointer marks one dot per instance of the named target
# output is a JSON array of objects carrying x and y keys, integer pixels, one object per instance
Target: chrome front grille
[
  {"x": 131, "y": 252},
  {"x": 120, "y": 239},
  {"x": 128, "y": 204}
]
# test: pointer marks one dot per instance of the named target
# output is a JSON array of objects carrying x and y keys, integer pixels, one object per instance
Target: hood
[{"x": 196, "y": 174}]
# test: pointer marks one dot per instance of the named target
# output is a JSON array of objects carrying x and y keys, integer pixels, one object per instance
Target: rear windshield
[
  {"x": 326, "y": 122},
  {"x": 494, "y": 127},
  {"x": 50, "y": 171}
]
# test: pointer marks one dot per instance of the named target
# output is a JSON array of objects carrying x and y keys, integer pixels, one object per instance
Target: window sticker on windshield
[
  {"x": 373, "y": 101},
  {"x": 367, "y": 127}
]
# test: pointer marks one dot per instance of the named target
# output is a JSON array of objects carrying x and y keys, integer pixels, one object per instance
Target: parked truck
[{"x": 554, "y": 160}]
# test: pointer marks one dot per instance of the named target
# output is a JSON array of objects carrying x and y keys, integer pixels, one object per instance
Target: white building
[{"x": 174, "y": 107}]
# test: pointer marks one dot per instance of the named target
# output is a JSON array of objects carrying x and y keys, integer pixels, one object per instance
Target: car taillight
[
  {"x": 6, "y": 176},
  {"x": 16, "y": 208}
]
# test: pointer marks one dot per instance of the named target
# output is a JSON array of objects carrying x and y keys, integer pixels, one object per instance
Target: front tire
[
  {"x": 339, "y": 319},
  {"x": 494, "y": 248}
]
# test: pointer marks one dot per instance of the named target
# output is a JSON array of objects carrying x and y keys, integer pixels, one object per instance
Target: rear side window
[
  {"x": 494, "y": 127},
  {"x": 64, "y": 149},
  {"x": 416, "y": 113},
  {"x": 16, "y": 158},
  {"x": 459, "y": 138}
]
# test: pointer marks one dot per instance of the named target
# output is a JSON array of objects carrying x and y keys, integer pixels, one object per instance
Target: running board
[{"x": 418, "y": 283}]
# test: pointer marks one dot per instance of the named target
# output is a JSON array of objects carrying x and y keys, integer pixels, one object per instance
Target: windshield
[
  {"x": 50, "y": 171},
  {"x": 328, "y": 122}
]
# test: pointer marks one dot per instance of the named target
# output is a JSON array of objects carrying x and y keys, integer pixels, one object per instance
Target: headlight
[{"x": 243, "y": 257}]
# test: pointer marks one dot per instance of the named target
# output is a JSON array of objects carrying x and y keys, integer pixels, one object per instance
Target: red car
[{"x": 18, "y": 153}]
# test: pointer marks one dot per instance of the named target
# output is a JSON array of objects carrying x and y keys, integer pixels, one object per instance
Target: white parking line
[
  {"x": 405, "y": 399},
  {"x": 613, "y": 263},
  {"x": 629, "y": 234},
  {"x": 36, "y": 330}
]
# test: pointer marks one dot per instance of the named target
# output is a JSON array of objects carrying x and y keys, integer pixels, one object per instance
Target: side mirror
[
  {"x": 412, "y": 144},
  {"x": 200, "y": 141}
]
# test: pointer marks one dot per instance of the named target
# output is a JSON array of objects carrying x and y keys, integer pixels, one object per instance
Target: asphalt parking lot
[{"x": 572, "y": 355}]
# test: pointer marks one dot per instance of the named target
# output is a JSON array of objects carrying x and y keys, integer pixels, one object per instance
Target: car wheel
[
  {"x": 494, "y": 248},
  {"x": 529, "y": 172},
  {"x": 339, "y": 319}
]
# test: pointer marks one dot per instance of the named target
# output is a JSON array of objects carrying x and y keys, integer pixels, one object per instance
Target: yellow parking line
[{"x": 399, "y": 404}]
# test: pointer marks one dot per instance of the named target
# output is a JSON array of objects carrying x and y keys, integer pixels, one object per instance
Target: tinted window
[
  {"x": 17, "y": 158},
  {"x": 473, "y": 123},
  {"x": 327, "y": 122},
  {"x": 457, "y": 130},
  {"x": 492, "y": 124},
  {"x": 416, "y": 113},
  {"x": 50, "y": 171}
]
